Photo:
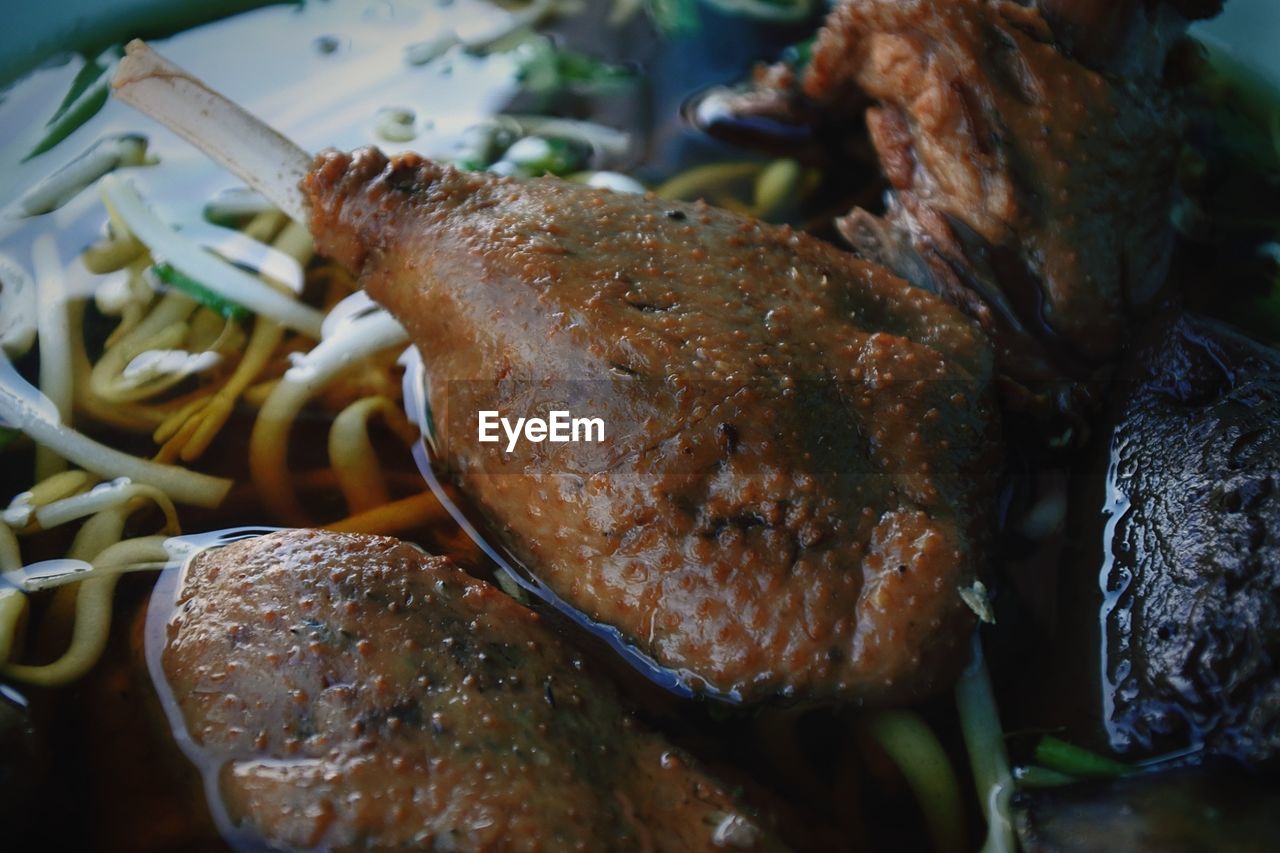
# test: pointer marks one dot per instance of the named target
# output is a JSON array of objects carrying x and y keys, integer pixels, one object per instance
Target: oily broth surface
[
  {"x": 102, "y": 730},
  {"x": 268, "y": 60}
]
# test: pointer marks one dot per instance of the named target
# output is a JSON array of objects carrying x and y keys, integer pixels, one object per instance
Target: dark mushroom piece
[
  {"x": 1191, "y": 618},
  {"x": 1217, "y": 808}
]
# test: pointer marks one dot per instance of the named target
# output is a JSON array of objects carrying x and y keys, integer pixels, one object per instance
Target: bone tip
[{"x": 139, "y": 62}]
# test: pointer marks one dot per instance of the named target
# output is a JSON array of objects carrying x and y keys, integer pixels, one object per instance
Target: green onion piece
[
  {"x": 984, "y": 740},
  {"x": 1033, "y": 776},
  {"x": 915, "y": 749},
  {"x": 84, "y": 109},
  {"x": 480, "y": 145},
  {"x": 8, "y": 437},
  {"x": 536, "y": 155},
  {"x": 85, "y": 77},
  {"x": 579, "y": 68},
  {"x": 87, "y": 95},
  {"x": 799, "y": 54},
  {"x": 199, "y": 292},
  {"x": 1077, "y": 761},
  {"x": 674, "y": 17},
  {"x": 396, "y": 124},
  {"x": 89, "y": 73}
]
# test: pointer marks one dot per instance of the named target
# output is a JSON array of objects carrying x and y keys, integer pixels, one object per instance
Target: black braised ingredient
[
  {"x": 1221, "y": 809},
  {"x": 1192, "y": 620}
]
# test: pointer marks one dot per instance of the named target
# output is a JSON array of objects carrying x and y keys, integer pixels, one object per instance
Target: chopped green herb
[
  {"x": 199, "y": 292},
  {"x": 1034, "y": 776},
  {"x": 580, "y": 68},
  {"x": 799, "y": 54},
  {"x": 87, "y": 95},
  {"x": 483, "y": 143},
  {"x": 535, "y": 155},
  {"x": 1077, "y": 761},
  {"x": 541, "y": 68},
  {"x": 674, "y": 17}
]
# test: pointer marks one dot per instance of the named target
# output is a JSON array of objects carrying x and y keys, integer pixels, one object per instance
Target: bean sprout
[
  {"x": 102, "y": 157},
  {"x": 26, "y": 409},
  {"x": 364, "y": 336},
  {"x": 915, "y": 749},
  {"x": 92, "y": 612},
  {"x": 984, "y": 739},
  {"x": 18, "y": 308},
  {"x": 191, "y": 259},
  {"x": 55, "y": 349}
]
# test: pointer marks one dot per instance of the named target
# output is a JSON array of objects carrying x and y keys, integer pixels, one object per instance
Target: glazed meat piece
[
  {"x": 351, "y": 692},
  {"x": 1029, "y": 188},
  {"x": 797, "y": 472},
  {"x": 1192, "y": 621},
  {"x": 1030, "y": 153},
  {"x": 1218, "y": 808}
]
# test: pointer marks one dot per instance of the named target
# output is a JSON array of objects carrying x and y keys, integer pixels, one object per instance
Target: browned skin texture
[
  {"x": 356, "y": 693},
  {"x": 798, "y": 467},
  {"x": 1027, "y": 186}
]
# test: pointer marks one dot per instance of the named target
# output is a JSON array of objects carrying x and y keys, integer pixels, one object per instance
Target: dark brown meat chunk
[
  {"x": 1027, "y": 187},
  {"x": 1192, "y": 620},
  {"x": 1218, "y": 809},
  {"x": 798, "y": 468},
  {"x": 351, "y": 692}
]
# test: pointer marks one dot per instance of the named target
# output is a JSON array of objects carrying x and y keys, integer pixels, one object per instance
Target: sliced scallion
[
  {"x": 199, "y": 292},
  {"x": 192, "y": 260},
  {"x": 1057, "y": 754},
  {"x": 87, "y": 95}
]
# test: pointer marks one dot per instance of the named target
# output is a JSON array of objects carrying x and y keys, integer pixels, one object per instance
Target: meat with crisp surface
[
  {"x": 1027, "y": 186},
  {"x": 1030, "y": 151},
  {"x": 798, "y": 474},
  {"x": 352, "y": 692}
]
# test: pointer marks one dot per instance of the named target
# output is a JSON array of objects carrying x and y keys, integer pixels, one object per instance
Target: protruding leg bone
[{"x": 233, "y": 137}]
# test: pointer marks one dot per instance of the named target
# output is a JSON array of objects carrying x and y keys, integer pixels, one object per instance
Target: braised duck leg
[
  {"x": 797, "y": 477},
  {"x": 351, "y": 693}
]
